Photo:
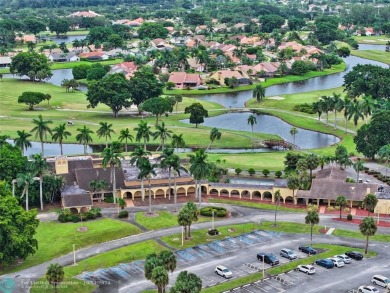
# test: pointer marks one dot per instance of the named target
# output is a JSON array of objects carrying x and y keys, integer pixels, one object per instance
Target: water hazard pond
[{"x": 305, "y": 139}]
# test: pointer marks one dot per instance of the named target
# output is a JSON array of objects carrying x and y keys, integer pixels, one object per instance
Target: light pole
[
  {"x": 212, "y": 220},
  {"x": 263, "y": 268},
  {"x": 182, "y": 235}
]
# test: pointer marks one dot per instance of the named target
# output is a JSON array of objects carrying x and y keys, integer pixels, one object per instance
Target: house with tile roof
[
  {"x": 88, "y": 13},
  {"x": 126, "y": 68},
  {"x": 185, "y": 80},
  {"x": 221, "y": 75}
]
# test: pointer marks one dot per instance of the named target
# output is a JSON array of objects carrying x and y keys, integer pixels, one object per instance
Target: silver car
[
  {"x": 346, "y": 259},
  {"x": 288, "y": 253}
]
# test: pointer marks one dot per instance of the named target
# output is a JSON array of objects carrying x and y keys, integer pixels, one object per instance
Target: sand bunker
[{"x": 275, "y": 98}]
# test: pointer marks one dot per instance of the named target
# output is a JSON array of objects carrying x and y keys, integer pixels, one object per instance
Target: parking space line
[{"x": 261, "y": 289}]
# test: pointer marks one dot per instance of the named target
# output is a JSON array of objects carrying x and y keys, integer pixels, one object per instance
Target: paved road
[{"x": 245, "y": 215}]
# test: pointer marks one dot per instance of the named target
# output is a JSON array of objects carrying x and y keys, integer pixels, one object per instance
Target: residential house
[
  {"x": 126, "y": 68},
  {"x": 64, "y": 57},
  {"x": 5, "y": 61},
  {"x": 94, "y": 56},
  {"x": 161, "y": 44},
  {"x": 221, "y": 75},
  {"x": 266, "y": 69},
  {"x": 26, "y": 38},
  {"x": 195, "y": 65},
  {"x": 88, "y": 13},
  {"x": 179, "y": 41},
  {"x": 185, "y": 80}
]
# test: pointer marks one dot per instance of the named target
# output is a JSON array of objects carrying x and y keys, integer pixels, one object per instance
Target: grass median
[{"x": 56, "y": 239}]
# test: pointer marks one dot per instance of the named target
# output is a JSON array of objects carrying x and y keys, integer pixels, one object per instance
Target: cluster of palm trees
[{"x": 353, "y": 109}]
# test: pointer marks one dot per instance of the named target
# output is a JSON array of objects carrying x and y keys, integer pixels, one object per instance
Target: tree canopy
[
  {"x": 31, "y": 99},
  {"x": 152, "y": 30},
  {"x": 157, "y": 106},
  {"x": 31, "y": 64},
  {"x": 112, "y": 91},
  {"x": 197, "y": 113}
]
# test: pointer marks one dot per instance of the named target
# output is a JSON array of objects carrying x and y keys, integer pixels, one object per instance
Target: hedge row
[{"x": 218, "y": 212}]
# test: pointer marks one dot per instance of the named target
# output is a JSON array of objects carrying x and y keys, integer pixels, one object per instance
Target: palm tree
[
  {"x": 137, "y": 156},
  {"x": 147, "y": 170},
  {"x": 317, "y": 107},
  {"x": 368, "y": 228},
  {"x": 370, "y": 201},
  {"x": 341, "y": 201},
  {"x": 163, "y": 133},
  {"x": 367, "y": 106},
  {"x": 338, "y": 105},
  {"x": 59, "y": 134},
  {"x": 55, "y": 275},
  {"x": 252, "y": 121},
  {"x": 312, "y": 219},
  {"x": 327, "y": 105},
  {"x": 293, "y": 132},
  {"x": 25, "y": 180},
  {"x": 384, "y": 153},
  {"x": 215, "y": 134},
  {"x": 112, "y": 157},
  {"x": 200, "y": 169},
  {"x": 167, "y": 163},
  {"x": 22, "y": 141},
  {"x": 41, "y": 130},
  {"x": 358, "y": 167},
  {"x": 84, "y": 137},
  {"x": 177, "y": 167},
  {"x": 182, "y": 56},
  {"x": 105, "y": 130},
  {"x": 125, "y": 135},
  {"x": 277, "y": 199},
  {"x": 160, "y": 278},
  {"x": 347, "y": 104},
  {"x": 355, "y": 112},
  {"x": 259, "y": 93},
  {"x": 143, "y": 132},
  {"x": 178, "y": 141},
  {"x": 39, "y": 166}
]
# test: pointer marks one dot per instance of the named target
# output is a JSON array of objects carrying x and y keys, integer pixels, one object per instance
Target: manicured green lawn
[
  {"x": 271, "y": 81},
  {"x": 200, "y": 236},
  {"x": 165, "y": 219},
  {"x": 330, "y": 250},
  {"x": 264, "y": 206},
  {"x": 376, "y": 55},
  {"x": 56, "y": 239},
  {"x": 378, "y": 40}
]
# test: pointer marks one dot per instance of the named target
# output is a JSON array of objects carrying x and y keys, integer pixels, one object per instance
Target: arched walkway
[
  {"x": 214, "y": 191},
  {"x": 267, "y": 195},
  {"x": 289, "y": 199}
]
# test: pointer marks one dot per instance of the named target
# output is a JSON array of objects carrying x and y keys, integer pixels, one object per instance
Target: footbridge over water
[{"x": 280, "y": 144}]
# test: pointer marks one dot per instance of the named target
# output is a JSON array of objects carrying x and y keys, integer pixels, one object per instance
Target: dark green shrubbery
[
  {"x": 251, "y": 171},
  {"x": 67, "y": 216},
  {"x": 349, "y": 217},
  {"x": 305, "y": 108},
  {"x": 123, "y": 214},
  {"x": 278, "y": 174},
  {"x": 218, "y": 212}
]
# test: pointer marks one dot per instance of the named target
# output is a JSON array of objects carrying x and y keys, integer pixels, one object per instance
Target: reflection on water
[
  {"x": 66, "y": 39},
  {"x": 305, "y": 139}
]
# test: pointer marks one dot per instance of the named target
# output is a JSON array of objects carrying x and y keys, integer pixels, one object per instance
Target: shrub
[
  {"x": 265, "y": 172},
  {"x": 213, "y": 232},
  {"x": 349, "y": 217},
  {"x": 337, "y": 208},
  {"x": 304, "y": 108},
  {"x": 62, "y": 218},
  {"x": 96, "y": 212},
  {"x": 109, "y": 199},
  {"x": 218, "y": 211},
  {"x": 278, "y": 174},
  {"x": 123, "y": 214},
  {"x": 347, "y": 210},
  {"x": 238, "y": 171},
  {"x": 75, "y": 218},
  {"x": 170, "y": 85},
  {"x": 251, "y": 171},
  {"x": 330, "y": 209}
]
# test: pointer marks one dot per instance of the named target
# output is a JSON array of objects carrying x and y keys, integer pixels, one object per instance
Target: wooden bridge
[{"x": 279, "y": 144}]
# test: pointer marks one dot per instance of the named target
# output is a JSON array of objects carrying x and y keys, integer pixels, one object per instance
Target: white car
[
  {"x": 223, "y": 272},
  {"x": 346, "y": 259},
  {"x": 337, "y": 262},
  {"x": 307, "y": 269},
  {"x": 368, "y": 289}
]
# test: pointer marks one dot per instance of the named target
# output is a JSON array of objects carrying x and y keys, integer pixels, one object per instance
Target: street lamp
[
  {"x": 212, "y": 220},
  {"x": 182, "y": 235}
]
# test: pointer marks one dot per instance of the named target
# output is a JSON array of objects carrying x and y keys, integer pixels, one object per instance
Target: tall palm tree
[
  {"x": 293, "y": 132},
  {"x": 22, "y": 141},
  {"x": 327, "y": 105},
  {"x": 312, "y": 219},
  {"x": 259, "y": 93},
  {"x": 384, "y": 153},
  {"x": 163, "y": 133},
  {"x": 41, "y": 130},
  {"x": 178, "y": 141},
  {"x": 125, "y": 135},
  {"x": 143, "y": 132},
  {"x": 215, "y": 134},
  {"x": 25, "y": 180},
  {"x": 177, "y": 168},
  {"x": 277, "y": 199},
  {"x": 355, "y": 112},
  {"x": 181, "y": 57},
  {"x": 59, "y": 134},
  {"x": 147, "y": 170},
  {"x": 112, "y": 158},
  {"x": 317, "y": 107},
  {"x": 338, "y": 105},
  {"x": 341, "y": 201},
  {"x": 252, "y": 121},
  {"x": 347, "y": 105},
  {"x": 55, "y": 275},
  {"x": 368, "y": 228},
  {"x": 105, "y": 130},
  {"x": 84, "y": 137},
  {"x": 358, "y": 167},
  {"x": 200, "y": 169},
  {"x": 137, "y": 156},
  {"x": 167, "y": 163},
  {"x": 367, "y": 106},
  {"x": 38, "y": 167},
  {"x": 160, "y": 278},
  {"x": 370, "y": 201}
]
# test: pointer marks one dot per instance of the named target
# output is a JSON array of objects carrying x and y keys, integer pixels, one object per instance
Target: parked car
[
  {"x": 223, "y": 272},
  {"x": 354, "y": 254},
  {"x": 307, "y": 269},
  {"x": 344, "y": 258},
  {"x": 288, "y": 253},
  {"x": 268, "y": 258},
  {"x": 338, "y": 263},
  {"x": 307, "y": 249},
  {"x": 381, "y": 281},
  {"x": 368, "y": 289},
  {"x": 324, "y": 262}
]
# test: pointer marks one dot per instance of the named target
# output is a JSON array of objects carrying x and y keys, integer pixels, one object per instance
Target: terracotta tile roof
[{"x": 183, "y": 77}]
